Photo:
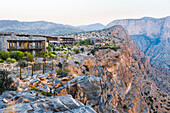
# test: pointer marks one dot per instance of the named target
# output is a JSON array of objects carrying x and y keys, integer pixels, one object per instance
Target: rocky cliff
[
  {"x": 121, "y": 82},
  {"x": 152, "y": 37}
]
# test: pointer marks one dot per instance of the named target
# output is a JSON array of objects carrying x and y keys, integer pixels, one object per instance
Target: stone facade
[
  {"x": 14, "y": 37},
  {"x": 3, "y": 43},
  {"x": 42, "y": 41}
]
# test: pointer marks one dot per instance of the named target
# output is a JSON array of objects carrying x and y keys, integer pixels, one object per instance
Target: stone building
[
  {"x": 60, "y": 40},
  {"x": 22, "y": 42},
  {"x": 30, "y": 42}
]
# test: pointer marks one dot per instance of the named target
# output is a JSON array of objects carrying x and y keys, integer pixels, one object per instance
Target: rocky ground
[
  {"x": 29, "y": 101},
  {"x": 107, "y": 82}
]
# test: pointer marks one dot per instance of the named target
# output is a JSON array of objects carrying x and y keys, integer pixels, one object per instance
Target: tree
[{"x": 22, "y": 64}]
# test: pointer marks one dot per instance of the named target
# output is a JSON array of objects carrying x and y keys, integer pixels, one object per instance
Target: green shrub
[
  {"x": 43, "y": 93},
  {"x": 46, "y": 54},
  {"x": 63, "y": 46},
  {"x": 10, "y": 60},
  {"x": 69, "y": 58},
  {"x": 76, "y": 62},
  {"x": 59, "y": 49},
  {"x": 25, "y": 58},
  {"x": 82, "y": 49},
  {"x": 16, "y": 55},
  {"x": 92, "y": 51},
  {"x": 54, "y": 48},
  {"x": 46, "y": 94},
  {"x": 4, "y": 55},
  {"x": 69, "y": 48},
  {"x": 39, "y": 54},
  {"x": 52, "y": 55},
  {"x": 64, "y": 72},
  {"x": 58, "y": 71},
  {"x": 28, "y": 56},
  {"x": 76, "y": 51},
  {"x": 87, "y": 68},
  {"x": 125, "y": 107},
  {"x": 116, "y": 48},
  {"x": 49, "y": 48},
  {"x": 88, "y": 53},
  {"x": 5, "y": 82},
  {"x": 60, "y": 65},
  {"x": 1, "y": 61},
  {"x": 34, "y": 88},
  {"x": 85, "y": 42},
  {"x": 67, "y": 70},
  {"x": 13, "y": 60}
]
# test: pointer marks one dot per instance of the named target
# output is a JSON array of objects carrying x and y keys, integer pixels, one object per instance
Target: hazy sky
[{"x": 81, "y": 12}]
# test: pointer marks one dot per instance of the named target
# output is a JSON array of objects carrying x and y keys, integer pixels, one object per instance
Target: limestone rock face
[
  {"x": 151, "y": 36},
  {"x": 123, "y": 75}
]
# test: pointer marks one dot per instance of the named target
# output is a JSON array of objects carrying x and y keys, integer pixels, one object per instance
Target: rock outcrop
[{"x": 31, "y": 102}]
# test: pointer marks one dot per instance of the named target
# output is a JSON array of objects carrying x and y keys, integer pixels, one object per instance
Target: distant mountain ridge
[
  {"x": 37, "y": 27},
  {"x": 45, "y": 28},
  {"x": 92, "y": 27},
  {"x": 152, "y": 36}
]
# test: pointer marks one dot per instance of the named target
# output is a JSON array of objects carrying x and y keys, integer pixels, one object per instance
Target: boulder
[
  {"x": 43, "y": 77},
  {"x": 46, "y": 88},
  {"x": 56, "y": 83},
  {"x": 27, "y": 79},
  {"x": 34, "y": 81},
  {"x": 17, "y": 108}
]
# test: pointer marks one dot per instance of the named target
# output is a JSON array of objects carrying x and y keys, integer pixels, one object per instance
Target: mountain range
[
  {"x": 45, "y": 28},
  {"x": 152, "y": 36},
  {"x": 37, "y": 27},
  {"x": 92, "y": 27}
]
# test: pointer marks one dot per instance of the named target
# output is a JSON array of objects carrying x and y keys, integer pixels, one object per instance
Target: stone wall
[{"x": 3, "y": 43}]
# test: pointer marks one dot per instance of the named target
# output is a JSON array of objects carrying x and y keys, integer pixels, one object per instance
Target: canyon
[{"x": 152, "y": 36}]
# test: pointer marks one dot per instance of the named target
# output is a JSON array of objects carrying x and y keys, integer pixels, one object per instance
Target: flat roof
[{"x": 29, "y": 35}]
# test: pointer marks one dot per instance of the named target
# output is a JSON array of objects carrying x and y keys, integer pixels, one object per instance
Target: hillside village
[{"x": 98, "y": 71}]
